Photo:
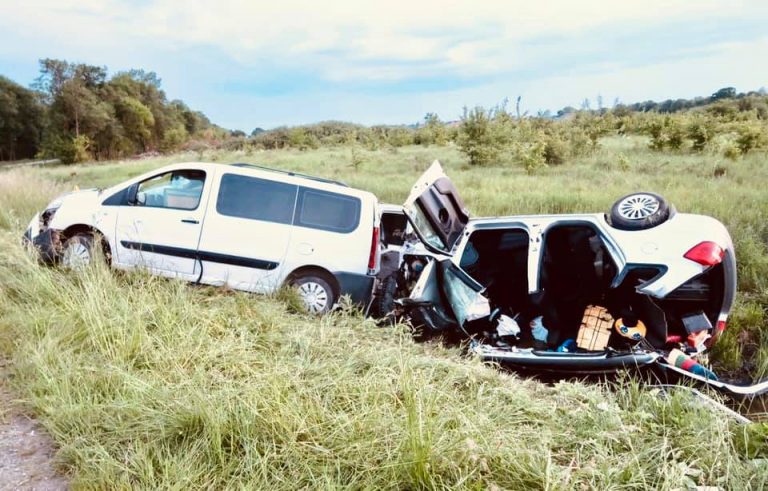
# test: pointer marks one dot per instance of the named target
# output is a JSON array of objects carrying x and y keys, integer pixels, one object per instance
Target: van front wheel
[
  {"x": 315, "y": 292},
  {"x": 77, "y": 252}
]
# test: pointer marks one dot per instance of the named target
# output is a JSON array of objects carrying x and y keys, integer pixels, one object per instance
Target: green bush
[
  {"x": 479, "y": 137},
  {"x": 750, "y": 137},
  {"x": 700, "y": 132},
  {"x": 675, "y": 134},
  {"x": 58, "y": 147},
  {"x": 554, "y": 150}
]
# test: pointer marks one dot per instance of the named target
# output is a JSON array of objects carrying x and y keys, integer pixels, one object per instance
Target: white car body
[{"x": 676, "y": 275}]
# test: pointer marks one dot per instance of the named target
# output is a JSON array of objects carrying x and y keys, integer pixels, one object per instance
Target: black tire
[
  {"x": 385, "y": 296},
  {"x": 316, "y": 291},
  {"x": 77, "y": 251},
  {"x": 639, "y": 211}
]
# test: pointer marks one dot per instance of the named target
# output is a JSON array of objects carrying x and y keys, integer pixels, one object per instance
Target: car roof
[
  {"x": 289, "y": 173},
  {"x": 273, "y": 174}
]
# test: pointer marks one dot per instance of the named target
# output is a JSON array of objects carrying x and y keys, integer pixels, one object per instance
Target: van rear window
[
  {"x": 256, "y": 199},
  {"x": 327, "y": 211}
]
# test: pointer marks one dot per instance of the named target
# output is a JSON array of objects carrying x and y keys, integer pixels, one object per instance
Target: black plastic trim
[{"x": 213, "y": 257}]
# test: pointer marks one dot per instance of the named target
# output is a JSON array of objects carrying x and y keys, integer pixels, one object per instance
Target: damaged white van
[{"x": 246, "y": 226}]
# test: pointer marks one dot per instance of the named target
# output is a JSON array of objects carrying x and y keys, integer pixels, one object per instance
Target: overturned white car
[{"x": 585, "y": 293}]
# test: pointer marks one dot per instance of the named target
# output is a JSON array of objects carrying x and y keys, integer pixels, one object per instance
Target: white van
[{"x": 248, "y": 227}]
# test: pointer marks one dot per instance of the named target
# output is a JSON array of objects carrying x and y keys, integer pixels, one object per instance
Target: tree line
[
  {"x": 76, "y": 112},
  {"x": 728, "y": 123}
]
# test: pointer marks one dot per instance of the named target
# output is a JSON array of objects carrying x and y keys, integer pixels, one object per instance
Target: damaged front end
[{"x": 45, "y": 240}]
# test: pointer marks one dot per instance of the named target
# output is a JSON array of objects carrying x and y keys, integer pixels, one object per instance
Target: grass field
[{"x": 148, "y": 383}]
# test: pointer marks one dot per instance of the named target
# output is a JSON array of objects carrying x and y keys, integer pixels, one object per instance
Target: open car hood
[{"x": 436, "y": 210}]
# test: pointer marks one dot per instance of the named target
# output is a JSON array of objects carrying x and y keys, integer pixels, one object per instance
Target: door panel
[
  {"x": 445, "y": 297},
  {"x": 160, "y": 229},
  {"x": 246, "y": 233},
  {"x": 436, "y": 210}
]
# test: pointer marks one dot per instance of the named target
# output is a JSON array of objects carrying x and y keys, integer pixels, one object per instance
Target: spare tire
[{"x": 639, "y": 211}]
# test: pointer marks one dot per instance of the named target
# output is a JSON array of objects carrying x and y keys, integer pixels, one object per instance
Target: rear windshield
[{"x": 328, "y": 211}]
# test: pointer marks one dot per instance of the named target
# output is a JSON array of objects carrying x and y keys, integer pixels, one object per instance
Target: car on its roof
[{"x": 642, "y": 285}]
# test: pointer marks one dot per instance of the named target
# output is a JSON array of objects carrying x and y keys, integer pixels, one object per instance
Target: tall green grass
[
  {"x": 150, "y": 383},
  {"x": 706, "y": 183}
]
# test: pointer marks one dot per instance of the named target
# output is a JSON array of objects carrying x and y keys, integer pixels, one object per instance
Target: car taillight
[
  {"x": 720, "y": 326},
  {"x": 706, "y": 253},
  {"x": 374, "y": 249}
]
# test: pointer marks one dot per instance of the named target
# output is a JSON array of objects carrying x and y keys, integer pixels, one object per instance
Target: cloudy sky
[{"x": 249, "y": 63}]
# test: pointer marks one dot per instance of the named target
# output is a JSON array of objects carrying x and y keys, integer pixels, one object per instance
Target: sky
[{"x": 252, "y": 63}]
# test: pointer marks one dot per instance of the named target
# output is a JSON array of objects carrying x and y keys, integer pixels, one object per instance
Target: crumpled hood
[{"x": 78, "y": 196}]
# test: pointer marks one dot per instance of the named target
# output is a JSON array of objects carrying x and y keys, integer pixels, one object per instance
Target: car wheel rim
[
  {"x": 76, "y": 256},
  {"x": 314, "y": 295},
  {"x": 638, "y": 206}
]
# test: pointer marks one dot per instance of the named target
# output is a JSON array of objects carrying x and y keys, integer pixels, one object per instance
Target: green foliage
[
  {"x": 58, "y": 146},
  {"x": 137, "y": 120},
  {"x": 750, "y": 137},
  {"x": 88, "y": 115},
  {"x": 700, "y": 132},
  {"x": 302, "y": 139},
  {"x": 81, "y": 146},
  {"x": 432, "y": 131},
  {"x": 481, "y": 138},
  {"x": 149, "y": 383},
  {"x": 675, "y": 135},
  {"x": 21, "y": 121}
]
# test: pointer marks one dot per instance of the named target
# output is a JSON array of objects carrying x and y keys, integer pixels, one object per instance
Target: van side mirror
[{"x": 132, "y": 195}]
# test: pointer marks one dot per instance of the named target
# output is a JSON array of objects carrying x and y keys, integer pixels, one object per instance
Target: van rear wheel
[{"x": 315, "y": 292}]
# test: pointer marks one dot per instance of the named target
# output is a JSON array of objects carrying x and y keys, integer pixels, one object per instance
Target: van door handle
[{"x": 189, "y": 220}]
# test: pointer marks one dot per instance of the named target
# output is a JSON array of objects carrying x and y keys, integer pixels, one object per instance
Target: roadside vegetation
[{"x": 150, "y": 383}]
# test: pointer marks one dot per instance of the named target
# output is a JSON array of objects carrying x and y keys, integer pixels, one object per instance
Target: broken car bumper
[{"x": 46, "y": 242}]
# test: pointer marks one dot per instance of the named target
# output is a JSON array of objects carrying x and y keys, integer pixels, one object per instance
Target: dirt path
[{"x": 26, "y": 451}]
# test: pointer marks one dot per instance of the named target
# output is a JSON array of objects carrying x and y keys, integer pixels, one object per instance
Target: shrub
[
  {"x": 700, "y": 133},
  {"x": 731, "y": 151},
  {"x": 655, "y": 130},
  {"x": 478, "y": 138},
  {"x": 675, "y": 134},
  {"x": 749, "y": 137},
  {"x": 532, "y": 157},
  {"x": 69, "y": 150},
  {"x": 554, "y": 150}
]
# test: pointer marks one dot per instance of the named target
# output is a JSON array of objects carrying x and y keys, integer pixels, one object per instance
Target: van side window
[
  {"x": 327, "y": 211},
  {"x": 179, "y": 190},
  {"x": 256, "y": 199}
]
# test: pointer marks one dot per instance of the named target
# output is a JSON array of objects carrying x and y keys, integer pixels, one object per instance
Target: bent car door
[
  {"x": 436, "y": 210},
  {"x": 246, "y": 232},
  {"x": 159, "y": 225},
  {"x": 445, "y": 297}
]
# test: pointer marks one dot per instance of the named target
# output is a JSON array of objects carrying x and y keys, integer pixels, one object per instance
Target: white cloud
[
  {"x": 378, "y": 43},
  {"x": 484, "y": 36}
]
